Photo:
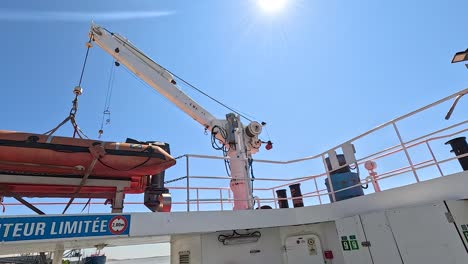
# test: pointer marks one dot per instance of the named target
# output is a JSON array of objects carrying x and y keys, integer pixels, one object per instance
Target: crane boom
[
  {"x": 241, "y": 141},
  {"x": 145, "y": 68}
]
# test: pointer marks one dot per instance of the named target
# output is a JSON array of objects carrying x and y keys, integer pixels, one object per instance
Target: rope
[
  {"x": 76, "y": 129},
  {"x": 83, "y": 180},
  {"x": 250, "y": 161},
  {"x": 176, "y": 179},
  {"x": 207, "y": 95},
  {"x": 106, "y": 112},
  {"x": 150, "y": 151},
  {"x": 71, "y": 116},
  {"x": 85, "y": 60},
  {"x": 52, "y": 131},
  {"x": 132, "y": 168},
  {"x": 178, "y": 157},
  {"x": 88, "y": 203}
]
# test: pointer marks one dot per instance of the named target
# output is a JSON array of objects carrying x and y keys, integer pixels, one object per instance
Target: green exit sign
[
  {"x": 354, "y": 245},
  {"x": 345, "y": 245},
  {"x": 351, "y": 244}
]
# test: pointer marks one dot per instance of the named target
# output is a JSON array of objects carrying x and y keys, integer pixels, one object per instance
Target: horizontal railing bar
[
  {"x": 413, "y": 140},
  {"x": 385, "y": 124},
  {"x": 300, "y": 179},
  {"x": 405, "y": 116},
  {"x": 270, "y": 200},
  {"x": 363, "y": 181},
  {"x": 353, "y": 139}
]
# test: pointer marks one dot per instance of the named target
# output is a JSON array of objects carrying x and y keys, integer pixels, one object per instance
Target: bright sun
[{"x": 272, "y": 6}]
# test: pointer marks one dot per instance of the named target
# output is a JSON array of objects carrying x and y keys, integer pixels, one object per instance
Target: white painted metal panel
[
  {"x": 425, "y": 236},
  {"x": 383, "y": 247},
  {"x": 356, "y": 254},
  {"x": 186, "y": 245},
  {"x": 444, "y": 188},
  {"x": 348, "y": 152},
  {"x": 459, "y": 211},
  {"x": 327, "y": 233},
  {"x": 304, "y": 249}
]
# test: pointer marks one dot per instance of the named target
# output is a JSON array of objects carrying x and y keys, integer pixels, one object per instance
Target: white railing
[
  {"x": 403, "y": 162},
  {"x": 194, "y": 187}
]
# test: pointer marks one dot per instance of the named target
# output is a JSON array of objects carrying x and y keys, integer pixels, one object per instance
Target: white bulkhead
[
  {"x": 275, "y": 246},
  {"x": 433, "y": 233}
]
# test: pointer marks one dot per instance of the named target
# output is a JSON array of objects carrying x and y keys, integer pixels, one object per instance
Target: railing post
[
  {"x": 188, "y": 182},
  {"x": 274, "y": 198},
  {"x": 257, "y": 199},
  {"x": 435, "y": 160},
  {"x": 402, "y": 144},
  {"x": 221, "y": 198},
  {"x": 375, "y": 183},
  {"x": 198, "y": 201},
  {"x": 317, "y": 190},
  {"x": 332, "y": 191}
]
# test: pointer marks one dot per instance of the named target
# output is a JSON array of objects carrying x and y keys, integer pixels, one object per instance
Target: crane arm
[
  {"x": 241, "y": 141},
  {"x": 152, "y": 73}
]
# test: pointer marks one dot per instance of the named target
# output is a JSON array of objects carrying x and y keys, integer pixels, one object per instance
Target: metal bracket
[{"x": 366, "y": 243}]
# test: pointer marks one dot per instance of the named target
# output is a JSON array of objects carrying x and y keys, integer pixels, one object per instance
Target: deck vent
[{"x": 184, "y": 257}]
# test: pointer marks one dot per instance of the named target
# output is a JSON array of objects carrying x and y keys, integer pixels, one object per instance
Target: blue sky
[{"x": 318, "y": 72}]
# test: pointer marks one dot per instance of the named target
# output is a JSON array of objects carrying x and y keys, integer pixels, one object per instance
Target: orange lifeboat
[{"x": 36, "y": 154}]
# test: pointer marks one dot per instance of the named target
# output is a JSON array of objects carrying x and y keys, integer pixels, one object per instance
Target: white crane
[{"x": 241, "y": 141}]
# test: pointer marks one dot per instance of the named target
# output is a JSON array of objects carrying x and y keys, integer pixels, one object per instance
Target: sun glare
[{"x": 272, "y": 6}]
